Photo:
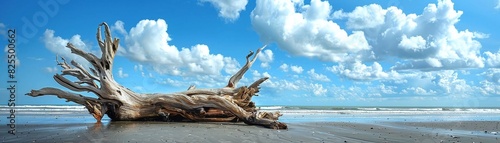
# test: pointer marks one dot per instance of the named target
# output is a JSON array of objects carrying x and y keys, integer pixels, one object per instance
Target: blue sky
[{"x": 328, "y": 53}]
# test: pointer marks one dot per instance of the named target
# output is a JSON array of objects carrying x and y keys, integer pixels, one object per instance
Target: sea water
[
  {"x": 49, "y": 114},
  {"x": 381, "y": 114},
  {"x": 39, "y": 114}
]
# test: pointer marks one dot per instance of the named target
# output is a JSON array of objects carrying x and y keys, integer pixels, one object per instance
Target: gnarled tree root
[{"x": 224, "y": 104}]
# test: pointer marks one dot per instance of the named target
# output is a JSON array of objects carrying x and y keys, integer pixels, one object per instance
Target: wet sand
[
  {"x": 80, "y": 127},
  {"x": 425, "y": 132}
]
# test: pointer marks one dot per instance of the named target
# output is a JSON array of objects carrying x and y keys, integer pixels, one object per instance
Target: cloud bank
[
  {"x": 228, "y": 9},
  {"x": 424, "y": 42}
]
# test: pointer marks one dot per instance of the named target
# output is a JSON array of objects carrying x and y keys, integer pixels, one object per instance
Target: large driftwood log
[{"x": 225, "y": 104}]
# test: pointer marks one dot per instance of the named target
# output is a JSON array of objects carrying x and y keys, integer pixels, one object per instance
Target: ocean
[
  {"x": 37, "y": 114},
  {"x": 50, "y": 123},
  {"x": 384, "y": 114}
]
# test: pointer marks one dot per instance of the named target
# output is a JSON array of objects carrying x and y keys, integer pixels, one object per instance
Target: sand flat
[
  {"x": 122, "y": 131},
  {"x": 304, "y": 126}
]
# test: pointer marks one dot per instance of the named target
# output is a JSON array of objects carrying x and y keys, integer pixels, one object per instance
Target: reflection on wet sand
[{"x": 82, "y": 128}]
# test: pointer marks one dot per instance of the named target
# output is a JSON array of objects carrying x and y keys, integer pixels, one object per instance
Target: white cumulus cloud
[
  {"x": 498, "y": 5},
  {"x": 58, "y": 44},
  {"x": 491, "y": 83},
  {"x": 121, "y": 74},
  {"x": 297, "y": 69},
  {"x": 228, "y": 9},
  {"x": 266, "y": 57},
  {"x": 284, "y": 67},
  {"x": 360, "y": 72},
  {"x": 51, "y": 69},
  {"x": 493, "y": 59},
  {"x": 138, "y": 67},
  {"x": 305, "y": 30},
  {"x": 318, "y": 89},
  {"x": 387, "y": 89},
  {"x": 424, "y": 41},
  {"x": 488, "y": 88},
  {"x": 418, "y": 91},
  {"x": 357, "y": 18},
  {"x": 283, "y": 85},
  {"x": 449, "y": 81},
  {"x": 427, "y": 41},
  {"x": 231, "y": 65},
  {"x": 317, "y": 77},
  {"x": 492, "y": 75},
  {"x": 119, "y": 27},
  {"x": 147, "y": 43}
]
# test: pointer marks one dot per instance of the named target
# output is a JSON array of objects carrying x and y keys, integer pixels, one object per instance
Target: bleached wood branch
[
  {"x": 75, "y": 86},
  {"x": 119, "y": 103},
  {"x": 236, "y": 77},
  {"x": 93, "y": 105}
]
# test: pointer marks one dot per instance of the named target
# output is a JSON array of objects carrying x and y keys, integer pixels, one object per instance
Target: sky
[{"x": 319, "y": 53}]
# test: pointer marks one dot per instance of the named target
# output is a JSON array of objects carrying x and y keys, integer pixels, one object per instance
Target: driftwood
[{"x": 226, "y": 104}]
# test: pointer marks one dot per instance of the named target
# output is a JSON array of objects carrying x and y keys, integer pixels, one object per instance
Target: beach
[{"x": 312, "y": 126}]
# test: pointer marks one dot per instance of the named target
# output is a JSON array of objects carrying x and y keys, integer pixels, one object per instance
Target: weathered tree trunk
[{"x": 119, "y": 103}]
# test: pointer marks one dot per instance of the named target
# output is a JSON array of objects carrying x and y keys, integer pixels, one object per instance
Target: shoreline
[
  {"x": 137, "y": 131},
  {"x": 76, "y": 125}
]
